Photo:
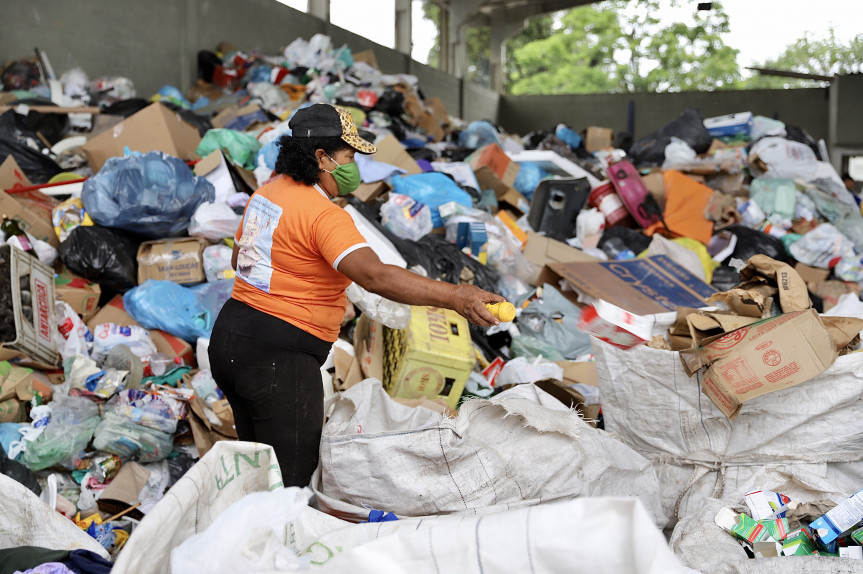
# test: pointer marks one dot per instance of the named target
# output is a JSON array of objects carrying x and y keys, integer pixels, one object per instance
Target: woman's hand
[{"x": 469, "y": 302}]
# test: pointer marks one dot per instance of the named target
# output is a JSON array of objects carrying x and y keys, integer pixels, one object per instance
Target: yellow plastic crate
[{"x": 432, "y": 357}]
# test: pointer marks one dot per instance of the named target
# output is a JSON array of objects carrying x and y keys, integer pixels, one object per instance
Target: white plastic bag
[
  {"x": 520, "y": 370},
  {"x": 72, "y": 337},
  {"x": 214, "y": 221},
  {"x": 106, "y": 336},
  {"x": 249, "y": 536},
  {"x": 783, "y": 159},
  {"x": 822, "y": 246}
]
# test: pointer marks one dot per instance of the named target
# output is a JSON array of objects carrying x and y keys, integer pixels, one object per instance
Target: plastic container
[
  {"x": 432, "y": 357},
  {"x": 31, "y": 284},
  {"x": 606, "y": 200},
  {"x": 632, "y": 192}
]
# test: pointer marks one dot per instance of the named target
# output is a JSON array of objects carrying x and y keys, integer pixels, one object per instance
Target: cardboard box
[
  {"x": 392, "y": 152},
  {"x": 507, "y": 196},
  {"x": 239, "y": 118},
  {"x": 369, "y": 347},
  {"x": 13, "y": 411},
  {"x": 179, "y": 260},
  {"x": 368, "y": 57},
  {"x": 81, "y": 295},
  {"x": 14, "y": 382},
  {"x": 766, "y": 356},
  {"x": 543, "y": 250},
  {"x": 227, "y": 177},
  {"x": 596, "y": 138},
  {"x": 641, "y": 286},
  {"x": 31, "y": 209},
  {"x": 155, "y": 128},
  {"x": 812, "y": 275},
  {"x": 115, "y": 312},
  {"x": 494, "y": 158}
]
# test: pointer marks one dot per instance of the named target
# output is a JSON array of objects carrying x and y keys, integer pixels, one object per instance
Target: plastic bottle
[
  {"x": 158, "y": 364},
  {"x": 504, "y": 311}
]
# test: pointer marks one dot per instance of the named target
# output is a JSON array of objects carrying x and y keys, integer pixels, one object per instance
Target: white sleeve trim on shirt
[{"x": 347, "y": 252}]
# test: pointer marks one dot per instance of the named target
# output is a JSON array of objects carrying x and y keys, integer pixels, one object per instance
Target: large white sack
[
  {"x": 613, "y": 535},
  {"x": 520, "y": 448},
  {"x": 227, "y": 473},
  {"x": 27, "y": 521},
  {"x": 702, "y": 545},
  {"x": 650, "y": 403}
]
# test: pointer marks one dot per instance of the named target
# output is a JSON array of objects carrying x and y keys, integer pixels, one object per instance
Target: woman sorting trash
[{"x": 295, "y": 254}]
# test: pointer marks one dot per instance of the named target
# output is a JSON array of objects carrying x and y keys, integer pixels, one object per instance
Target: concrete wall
[
  {"x": 808, "y": 109},
  {"x": 849, "y": 111}
]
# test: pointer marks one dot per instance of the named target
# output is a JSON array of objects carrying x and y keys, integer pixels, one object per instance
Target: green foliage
[
  {"x": 611, "y": 47},
  {"x": 807, "y": 55}
]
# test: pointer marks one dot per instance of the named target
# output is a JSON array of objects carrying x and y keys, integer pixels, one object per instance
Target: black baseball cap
[{"x": 326, "y": 121}]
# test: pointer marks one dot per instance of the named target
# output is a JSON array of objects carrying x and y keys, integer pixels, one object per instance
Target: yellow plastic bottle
[{"x": 504, "y": 311}]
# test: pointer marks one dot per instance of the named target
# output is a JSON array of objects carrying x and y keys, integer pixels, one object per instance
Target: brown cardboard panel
[
  {"x": 507, "y": 196},
  {"x": 81, "y": 295},
  {"x": 32, "y": 209},
  {"x": 596, "y": 138},
  {"x": 155, "y": 128},
  {"x": 493, "y": 157},
  {"x": 766, "y": 356}
]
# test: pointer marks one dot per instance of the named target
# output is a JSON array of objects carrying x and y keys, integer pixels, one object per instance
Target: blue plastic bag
[
  {"x": 478, "y": 134},
  {"x": 153, "y": 195},
  {"x": 568, "y": 135},
  {"x": 529, "y": 176},
  {"x": 432, "y": 189},
  {"x": 188, "y": 313}
]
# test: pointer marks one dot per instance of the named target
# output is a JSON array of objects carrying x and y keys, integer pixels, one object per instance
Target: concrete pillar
[
  {"x": 503, "y": 27},
  {"x": 443, "y": 26},
  {"x": 403, "y": 26},
  {"x": 319, "y": 9},
  {"x": 460, "y": 15}
]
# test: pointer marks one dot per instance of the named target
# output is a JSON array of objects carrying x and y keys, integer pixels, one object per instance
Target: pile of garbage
[{"x": 716, "y": 257}]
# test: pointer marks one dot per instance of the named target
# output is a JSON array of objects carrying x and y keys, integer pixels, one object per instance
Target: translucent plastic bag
[
  {"x": 106, "y": 336},
  {"x": 72, "y": 336},
  {"x": 147, "y": 408},
  {"x": 214, "y": 221},
  {"x": 240, "y": 147},
  {"x": 153, "y": 194},
  {"x": 478, "y": 134},
  {"x": 128, "y": 440},
  {"x": 184, "y": 312},
  {"x": 406, "y": 217},
  {"x": 73, "y": 420},
  {"x": 393, "y": 315},
  {"x": 432, "y": 189},
  {"x": 529, "y": 176},
  {"x": 553, "y": 320},
  {"x": 822, "y": 246},
  {"x": 774, "y": 196},
  {"x": 217, "y": 263}
]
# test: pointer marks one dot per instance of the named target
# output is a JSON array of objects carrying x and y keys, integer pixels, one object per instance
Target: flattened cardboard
[
  {"x": 14, "y": 382},
  {"x": 155, "y": 128},
  {"x": 579, "y": 372},
  {"x": 179, "y": 260},
  {"x": 224, "y": 118},
  {"x": 542, "y": 250},
  {"x": 13, "y": 411},
  {"x": 368, "y": 57},
  {"x": 641, "y": 286},
  {"x": 811, "y": 275},
  {"x": 348, "y": 371},
  {"x": 761, "y": 269},
  {"x": 494, "y": 158},
  {"x": 32, "y": 209},
  {"x": 766, "y": 356}
]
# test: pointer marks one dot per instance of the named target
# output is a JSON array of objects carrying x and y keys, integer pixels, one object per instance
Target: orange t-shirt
[{"x": 292, "y": 239}]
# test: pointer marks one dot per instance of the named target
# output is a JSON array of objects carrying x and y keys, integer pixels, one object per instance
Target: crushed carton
[
  {"x": 31, "y": 209},
  {"x": 765, "y": 356},
  {"x": 798, "y": 543},
  {"x": 742, "y": 526},
  {"x": 843, "y": 518},
  {"x": 765, "y": 505},
  {"x": 179, "y": 260}
]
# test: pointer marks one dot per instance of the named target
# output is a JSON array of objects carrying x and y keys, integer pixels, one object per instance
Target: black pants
[{"x": 270, "y": 373}]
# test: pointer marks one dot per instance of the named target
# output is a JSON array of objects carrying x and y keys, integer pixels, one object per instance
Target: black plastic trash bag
[
  {"x": 153, "y": 195},
  {"x": 16, "y": 140},
  {"x": 17, "y": 471},
  {"x": 102, "y": 255},
  {"x": 752, "y": 242},
  {"x": 689, "y": 127}
]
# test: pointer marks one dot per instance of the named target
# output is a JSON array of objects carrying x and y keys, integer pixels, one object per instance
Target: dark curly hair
[{"x": 297, "y": 156}]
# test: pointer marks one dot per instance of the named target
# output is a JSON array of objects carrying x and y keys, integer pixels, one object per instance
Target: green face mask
[{"x": 347, "y": 176}]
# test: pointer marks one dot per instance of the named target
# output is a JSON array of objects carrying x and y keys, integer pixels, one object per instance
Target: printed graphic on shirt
[{"x": 255, "y": 257}]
